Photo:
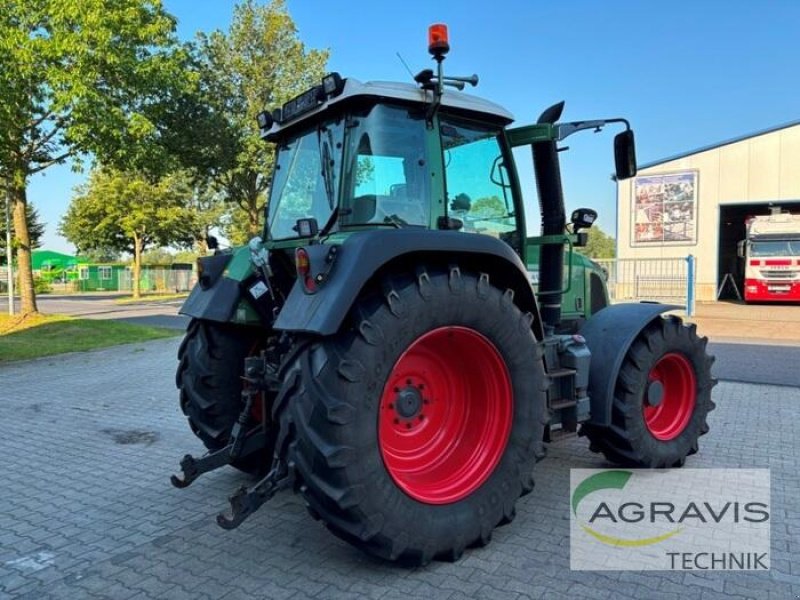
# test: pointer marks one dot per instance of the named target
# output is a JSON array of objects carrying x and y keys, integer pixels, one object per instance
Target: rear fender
[
  {"x": 609, "y": 334},
  {"x": 221, "y": 293},
  {"x": 365, "y": 256}
]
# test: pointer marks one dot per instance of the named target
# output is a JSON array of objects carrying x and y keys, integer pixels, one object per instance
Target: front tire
[
  {"x": 661, "y": 400},
  {"x": 418, "y": 426}
]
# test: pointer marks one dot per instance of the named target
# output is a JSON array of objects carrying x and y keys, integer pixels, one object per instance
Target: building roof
[
  {"x": 50, "y": 258},
  {"x": 720, "y": 144}
]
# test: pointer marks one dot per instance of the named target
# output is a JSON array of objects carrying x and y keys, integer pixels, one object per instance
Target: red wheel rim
[
  {"x": 445, "y": 415},
  {"x": 670, "y": 396}
]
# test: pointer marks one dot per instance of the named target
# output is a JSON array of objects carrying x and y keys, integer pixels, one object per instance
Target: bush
[{"x": 41, "y": 286}]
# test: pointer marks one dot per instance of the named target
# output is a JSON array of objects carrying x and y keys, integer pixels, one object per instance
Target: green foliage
[
  {"x": 127, "y": 212},
  {"x": 158, "y": 256},
  {"x": 100, "y": 255},
  {"x": 35, "y": 227},
  {"x": 117, "y": 211},
  {"x": 186, "y": 257},
  {"x": 600, "y": 245},
  {"x": 77, "y": 77},
  {"x": 235, "y": 226},
  {"x": 41, "y": 285},
  {"x": 83, "y": 75},
  {"x": 488, "y": 207},
  {"x": 259, "y": 63}
]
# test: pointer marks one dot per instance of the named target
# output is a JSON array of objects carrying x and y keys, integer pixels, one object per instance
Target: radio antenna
[{"x": 405, "y": 64}]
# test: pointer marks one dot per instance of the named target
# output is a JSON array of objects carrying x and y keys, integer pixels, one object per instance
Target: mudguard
[
  {"x": 609, "y": 334},
  {"x": 363, "y": 255},
  {"x": 215, "y": 296}
]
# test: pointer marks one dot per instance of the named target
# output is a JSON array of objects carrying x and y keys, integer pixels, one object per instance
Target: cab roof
[{"x": 404, "y": 92}]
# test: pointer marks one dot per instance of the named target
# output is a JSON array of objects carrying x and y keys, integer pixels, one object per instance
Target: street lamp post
[{"x": 9, "y": 257}]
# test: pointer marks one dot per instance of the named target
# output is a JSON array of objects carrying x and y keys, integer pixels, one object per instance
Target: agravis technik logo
[{"x": 704, "y": 519}]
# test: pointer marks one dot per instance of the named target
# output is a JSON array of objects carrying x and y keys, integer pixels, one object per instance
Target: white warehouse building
[{"x": 697, "y": 203}]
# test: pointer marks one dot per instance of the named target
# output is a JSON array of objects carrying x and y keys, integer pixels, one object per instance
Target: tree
[
  {"x": 77, "y": 76},
  {"x": 600, "y": 245},
  {"x": 33, "y": 221},
  {"x": 158, "y": 256},
  {"x": 488, "y": 207},
  {"x": 259, "y": 63},
  {"x": 208, "y": 211},
  {"x": 128, "y": 212},
  {"x": 101, "y": 255}
]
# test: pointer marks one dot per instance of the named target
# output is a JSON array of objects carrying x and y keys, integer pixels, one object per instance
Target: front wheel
[
  {"x": 661, "y": 400},
  {"x": 418, "y": 425}
]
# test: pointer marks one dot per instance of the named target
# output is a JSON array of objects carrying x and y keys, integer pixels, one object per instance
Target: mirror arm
[{"x": 564, "y": 130}]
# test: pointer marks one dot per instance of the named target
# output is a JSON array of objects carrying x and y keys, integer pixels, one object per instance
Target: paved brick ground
[{"x": 86, "y": 510}]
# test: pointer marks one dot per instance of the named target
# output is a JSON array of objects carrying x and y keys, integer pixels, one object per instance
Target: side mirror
[
  {"x": 211, "y": 242},
  {"x": 740, "y": 249},
  {"x": 625, "y": 154},
  {"x": 583, "y": 218}
]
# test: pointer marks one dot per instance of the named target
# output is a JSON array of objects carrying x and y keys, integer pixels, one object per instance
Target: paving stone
[{"x": 115, "y": 527}]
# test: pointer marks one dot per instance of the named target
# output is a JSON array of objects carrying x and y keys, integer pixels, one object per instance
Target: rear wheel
[
  {"x": 662, "y": 398},
  {"x": 211, "y": 362},
  {"x": 417, "y": 427}
]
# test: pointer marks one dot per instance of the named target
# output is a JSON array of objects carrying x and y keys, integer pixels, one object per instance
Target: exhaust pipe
[{"x": 551, "y": 203}]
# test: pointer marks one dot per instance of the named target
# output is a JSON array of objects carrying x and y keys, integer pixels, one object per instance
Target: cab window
[
  {"x": 388, "y": 174},
  {"x": 478, "y": 186}
]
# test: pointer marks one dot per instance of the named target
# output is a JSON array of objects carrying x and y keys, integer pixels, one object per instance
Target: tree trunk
[
  {"x": 253, "y": 217},
  {"x": 22, "y": 243},
  {"x": 202, "y": 241},
  {"x": 137, "y": 265}
]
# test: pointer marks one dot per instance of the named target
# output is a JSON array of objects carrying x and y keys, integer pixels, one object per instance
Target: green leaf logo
[
  {"x": 600, "y": 481},
  {"x": 615, "y": 480}
]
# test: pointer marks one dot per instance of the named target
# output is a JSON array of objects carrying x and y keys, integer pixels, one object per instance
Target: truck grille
[{"x": 778, "y": 274}]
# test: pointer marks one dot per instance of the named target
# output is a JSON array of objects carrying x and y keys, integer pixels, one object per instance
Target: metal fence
[
  {"x": 660, "y": 279},
  {"x": 4, "y": 280},
  {"x": 158, "y": 280}
]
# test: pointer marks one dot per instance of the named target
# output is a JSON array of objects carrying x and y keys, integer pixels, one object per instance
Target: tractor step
[
  {"x": 559, "y": 404},
  {"x": 192, "y": 467},
  {"x": 562, "y": 372}
]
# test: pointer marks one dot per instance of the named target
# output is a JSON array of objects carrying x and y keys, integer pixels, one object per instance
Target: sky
[{"x": 685, "y": 74}]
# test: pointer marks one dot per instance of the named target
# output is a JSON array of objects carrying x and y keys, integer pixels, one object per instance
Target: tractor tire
[
  {"x": 661, "y": 401},
  {"x": 210, "y": 364},
  {"x": 417, "y": 426}
]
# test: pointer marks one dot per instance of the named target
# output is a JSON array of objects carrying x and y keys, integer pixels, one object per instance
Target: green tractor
[{"x": 397, "y": 350}]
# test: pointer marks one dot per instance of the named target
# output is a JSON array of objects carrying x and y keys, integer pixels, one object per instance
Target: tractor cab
[{"x": 370, "y": 155}]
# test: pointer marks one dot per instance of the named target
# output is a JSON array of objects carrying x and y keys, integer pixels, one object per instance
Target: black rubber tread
[
  {"x": 333, "y": 415},
  {"x": 627, "y": 441},
  {"x": 210, "y": 364}
]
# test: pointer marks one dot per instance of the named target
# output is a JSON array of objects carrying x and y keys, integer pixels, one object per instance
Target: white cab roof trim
[{"x": 403, "y": 91}]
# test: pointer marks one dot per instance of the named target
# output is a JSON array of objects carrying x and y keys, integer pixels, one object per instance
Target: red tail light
[
  {"x": 303, "y": 266},
  {"x": 755, "y": 263}
]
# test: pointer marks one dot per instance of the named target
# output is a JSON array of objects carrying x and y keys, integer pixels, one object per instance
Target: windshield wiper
[
  {"x": 327, "y": 179},
  {"x": 391, "y": 224},
  {"x": 325, "y": 158}
]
